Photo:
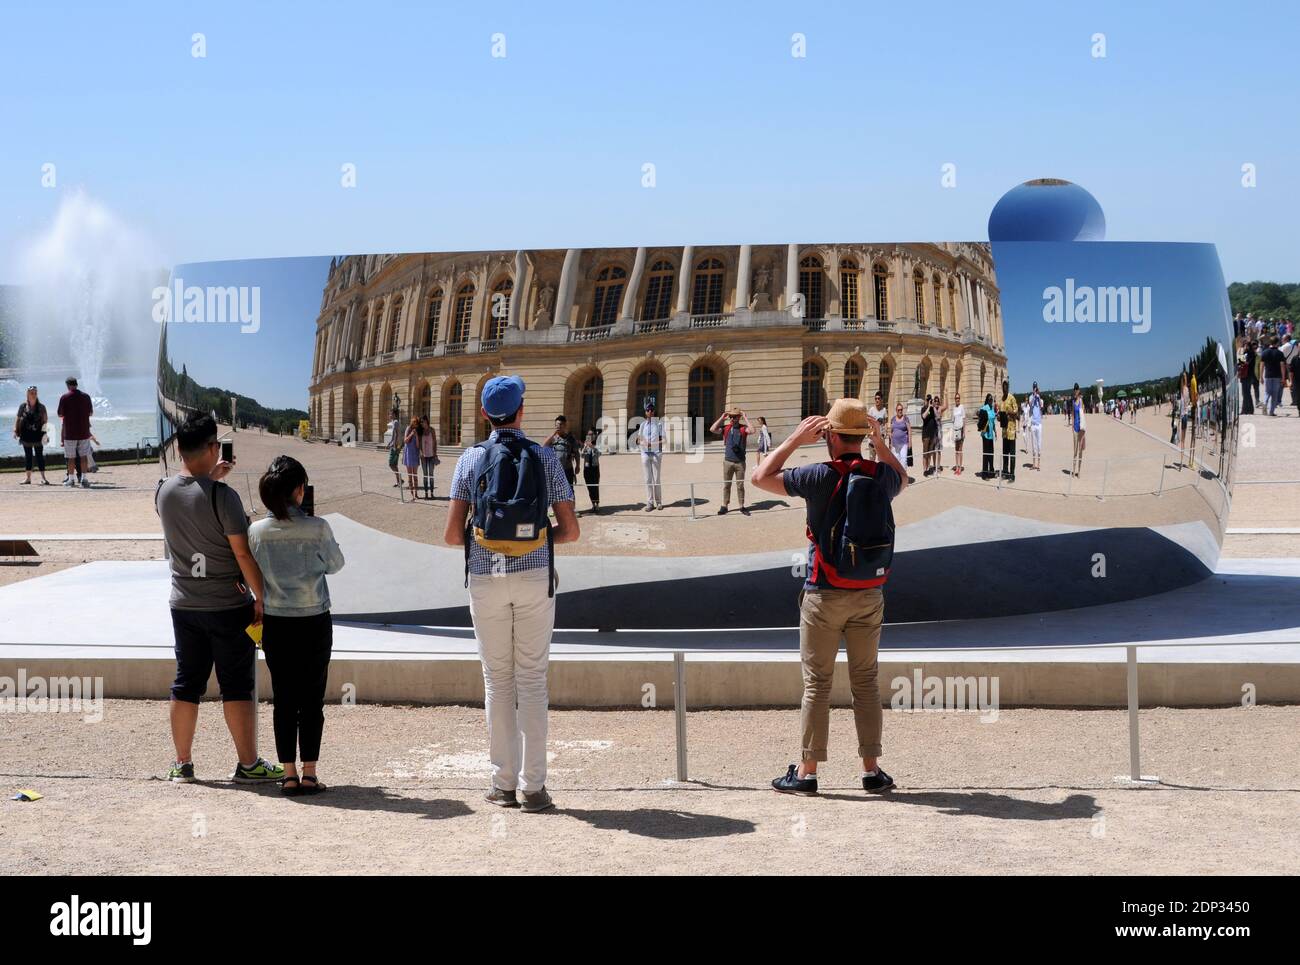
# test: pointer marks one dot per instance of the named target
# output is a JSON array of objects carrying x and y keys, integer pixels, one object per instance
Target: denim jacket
[{"x": 295, "y": 555}]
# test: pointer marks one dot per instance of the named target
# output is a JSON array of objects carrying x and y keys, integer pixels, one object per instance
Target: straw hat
[
  {"x": 848, "y": 417},
  {"x": 733, "y": 411}
]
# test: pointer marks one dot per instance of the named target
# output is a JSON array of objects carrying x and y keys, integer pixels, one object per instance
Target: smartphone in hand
[
  {"x": 227, "y": 452},
  {"x": 309, "y": 500}
]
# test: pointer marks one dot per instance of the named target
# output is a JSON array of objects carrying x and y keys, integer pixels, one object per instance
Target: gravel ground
[{"x": 1032, "y": 793}]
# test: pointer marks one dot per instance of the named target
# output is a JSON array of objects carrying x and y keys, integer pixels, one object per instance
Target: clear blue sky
[
  {"x": 1188, "y": 305},
  {"x": 238, "y": 155}
]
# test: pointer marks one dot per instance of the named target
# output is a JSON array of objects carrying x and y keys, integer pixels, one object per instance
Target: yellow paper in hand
[{"x": 254, "y": 630}]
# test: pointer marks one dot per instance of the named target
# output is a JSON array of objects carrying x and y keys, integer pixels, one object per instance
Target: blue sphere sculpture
[{"x": 1047, "y": 209}]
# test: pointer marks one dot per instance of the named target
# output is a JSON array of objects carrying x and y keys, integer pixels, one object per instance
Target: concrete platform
[{"x": 1199, "y": 645}]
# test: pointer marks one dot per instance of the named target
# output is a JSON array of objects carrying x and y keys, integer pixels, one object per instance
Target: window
[
  {"x": 425, "y": 407},
  {"x": 647, "y": 386},
  {"x": 451, "y": 417},
  {"x": 880, "y": 291},
  {"x": 852, "y": 379},
  {"x": 431, "y": 317},
  {"x": 608, "y": 296},
  {"x": 394, "y": 326},
  {"x": 849, "y": 289},
  {"x": 499, "y": 309},
  {"x": 952, "y": 304},
  {"x": 461, "y": 318},
  {"x": 702, "y": 395},
  {"x": 374, "y": 334},
  {"x": 593, "y": 391},
  {"x": 811, "y": 287},
  {"x": 886, "y": 380},
  {"x": 814, "y": 397},
  {"x": 706, "y": 295},
  {"x": 918, "y": 292},
  {"x": 658, "y": 292},
  {"x": 938, "y": 301}
]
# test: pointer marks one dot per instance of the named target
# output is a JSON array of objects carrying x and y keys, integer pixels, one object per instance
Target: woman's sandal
[
  {"x": 311, "y": 785},
  {"x": 288, "y": 791}
]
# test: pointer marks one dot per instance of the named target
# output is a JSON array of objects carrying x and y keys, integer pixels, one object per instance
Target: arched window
[
  {"x": 375, "y": 334},
  {"x": 499, "y": 309},
  {"x": 918, "y": 295},
  {"x": 849, "y": 303},
  {"x": 814, "y": 395},
  {"x": 658, "y": 302},
  {"x": 811, "y": 287},
  {"x": 886, "y": 381},
  {"x": 592, "y": 406},
  {"x": 952, "y": 304},
  {"x": 938, "y": 301},
  {"x": 880, "y": 291},
  {"x": 608, "y": 296},
  {"x": 431, "y": 316},
  {"x": 852, "y": 379},
  {"x": 706, "y": 293},
  {"x": 702, "y": 394},
  {"x": 451, "y": 415},
  {"x": 394, "y": 325},
  {"x": 425, "y": 405},
  {"x": 463, "y": 314},
  {"x": 647, "y": 385}
]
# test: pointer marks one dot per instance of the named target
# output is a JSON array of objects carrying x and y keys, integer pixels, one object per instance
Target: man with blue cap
[{"x": 501, "y": 492}]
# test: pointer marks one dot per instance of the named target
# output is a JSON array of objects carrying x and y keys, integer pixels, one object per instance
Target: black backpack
[
  {"x": 509, "y": 508},
  {"x": 982, "y": 419},
  {"x": 855, "y": 548}
]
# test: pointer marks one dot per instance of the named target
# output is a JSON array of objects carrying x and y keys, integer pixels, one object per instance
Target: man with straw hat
[
  {"x": 735, "y": 441},
  {"x": 850, "y": 530}
]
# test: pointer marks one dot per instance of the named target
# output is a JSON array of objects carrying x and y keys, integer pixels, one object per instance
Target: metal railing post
[
  {"x": 679, "y": 711},
  {"x": 1161, "y": 488},
  {"x": 693, "y": 501},
  {"x": 1105, "y": 473},
  {"x": 1134, "y": 752}
]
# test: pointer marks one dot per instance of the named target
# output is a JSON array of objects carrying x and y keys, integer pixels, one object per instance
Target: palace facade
[{"x": 779, "y": 330}]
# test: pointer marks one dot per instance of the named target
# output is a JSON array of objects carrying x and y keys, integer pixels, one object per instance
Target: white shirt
[{"x": 652, "y": 434}]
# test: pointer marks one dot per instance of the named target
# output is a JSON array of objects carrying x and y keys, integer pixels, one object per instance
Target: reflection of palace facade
[{"x": 594, "y": 331}]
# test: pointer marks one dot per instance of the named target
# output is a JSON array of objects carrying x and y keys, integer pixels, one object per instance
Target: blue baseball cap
[{"x": 503, "y": 395}]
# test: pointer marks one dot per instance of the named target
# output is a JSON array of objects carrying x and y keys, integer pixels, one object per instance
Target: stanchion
[
  {"x": 693, "y": 501},
  {"x": 679, "y": 711},
  {"x": 1135, "y": 775}
]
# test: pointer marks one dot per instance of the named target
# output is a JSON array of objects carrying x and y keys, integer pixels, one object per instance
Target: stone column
[
  {"x": 517, "y": 293},
  {"x": 742, "y": 277},
  {"x": 568, "y": 285},
  {"x": 684, "y": 280},
  {"x": 628, "y": 311},
  {"x": 791, "y": 275}
]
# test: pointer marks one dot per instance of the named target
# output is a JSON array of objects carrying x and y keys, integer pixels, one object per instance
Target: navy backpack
[
  {"x": 855, "y": 548},
  {"x": 509, "y": 508}
]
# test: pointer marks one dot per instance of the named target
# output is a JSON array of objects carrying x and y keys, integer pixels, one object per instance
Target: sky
[
  {"x": 268, "y": 359},
  {"x": 240, "y": 153},
  {"x": 1187, "y": 304}
]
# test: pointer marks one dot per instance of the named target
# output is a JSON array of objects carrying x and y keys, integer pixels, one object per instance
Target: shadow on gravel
[
  {"x": 663, "y": 824},
  {"x": 348, "y": 797},
  {"x": 981, "y": 804}
]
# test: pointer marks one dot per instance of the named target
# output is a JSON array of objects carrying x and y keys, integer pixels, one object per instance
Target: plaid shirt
[{"x": 558, "y": 490}]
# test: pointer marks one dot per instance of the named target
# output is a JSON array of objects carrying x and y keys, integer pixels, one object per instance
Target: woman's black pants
[
  {"x": 591, "y": 476},
  {"x": 988, "y": 455},
  {"x": 298, "y": 655},
  {"x": 40, "y": 457}
]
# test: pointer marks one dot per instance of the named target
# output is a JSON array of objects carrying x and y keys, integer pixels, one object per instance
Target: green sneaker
[
  {"x": 181, "y": 773},
  {"x": 262, "y": 770}
]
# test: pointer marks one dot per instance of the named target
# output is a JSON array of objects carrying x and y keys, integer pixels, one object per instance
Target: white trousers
[
  {"x": 651, "y": 468},
  {"x": 1036, "y": 440},
  {"x": 513, "y": 620}
]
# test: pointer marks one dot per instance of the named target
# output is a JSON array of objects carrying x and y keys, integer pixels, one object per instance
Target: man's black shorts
[{"x": 205, "y": 637}]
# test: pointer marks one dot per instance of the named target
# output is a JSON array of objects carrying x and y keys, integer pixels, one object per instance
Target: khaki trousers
[
  {"x": 733, "y": 470},
  {"x": 826, "y": 616}
]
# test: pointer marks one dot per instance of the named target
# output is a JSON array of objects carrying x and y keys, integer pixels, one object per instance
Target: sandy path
[{"x": 1033, "y": 791}]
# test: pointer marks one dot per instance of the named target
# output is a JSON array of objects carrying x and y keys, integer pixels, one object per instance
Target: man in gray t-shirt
[
  {"x": 216, "y": 598},
  {"x": 198, "y": 516}
]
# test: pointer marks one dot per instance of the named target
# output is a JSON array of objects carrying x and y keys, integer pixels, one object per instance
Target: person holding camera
[
  {"x": 295, "y": 552},
  {"x": 216, "y": 594}
]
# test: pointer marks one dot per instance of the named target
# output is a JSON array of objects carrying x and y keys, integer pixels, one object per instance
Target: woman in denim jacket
[{"x": 295, "y": 553}]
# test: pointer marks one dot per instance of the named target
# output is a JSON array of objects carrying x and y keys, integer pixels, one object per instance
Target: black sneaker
[
  {"x": 877, "y": 783},
  {"x": 722, "y": 510},
  {"x": 792, "y": 783},
  {"x": 181, "y": 773}
]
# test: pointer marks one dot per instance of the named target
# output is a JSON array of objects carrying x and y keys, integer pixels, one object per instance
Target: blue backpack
[
  {"x": 855, "y": 548},
  {"x": 510, "y": 502}
]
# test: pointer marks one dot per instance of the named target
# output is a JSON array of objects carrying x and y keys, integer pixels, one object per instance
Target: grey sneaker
[
  {"x": 535, "y": 801},
  {"x": 85, "y": 483},
  {"x": 502, "y": 799}
]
